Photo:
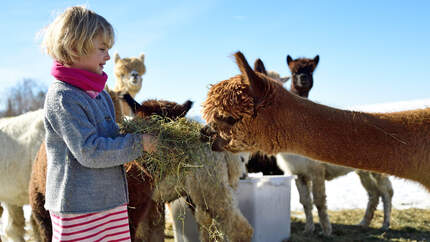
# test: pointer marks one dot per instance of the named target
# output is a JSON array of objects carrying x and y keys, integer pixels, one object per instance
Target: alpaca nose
[{"x": 304, "y": 80}]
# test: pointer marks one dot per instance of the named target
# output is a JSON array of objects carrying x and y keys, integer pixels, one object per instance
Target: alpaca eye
[{"x": 230, "y": 120}]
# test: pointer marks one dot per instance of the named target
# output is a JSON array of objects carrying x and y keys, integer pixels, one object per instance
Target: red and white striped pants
[{"x": 110, "y": 225}]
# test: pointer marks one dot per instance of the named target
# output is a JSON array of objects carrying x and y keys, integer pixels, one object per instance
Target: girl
[{"x": 86, "y": 188}]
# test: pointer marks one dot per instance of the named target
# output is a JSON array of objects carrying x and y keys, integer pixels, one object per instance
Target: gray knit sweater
[{"x": 85, "y": 152}]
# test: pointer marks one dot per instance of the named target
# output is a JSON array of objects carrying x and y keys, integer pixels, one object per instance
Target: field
[{"x": 406, "y": 225}]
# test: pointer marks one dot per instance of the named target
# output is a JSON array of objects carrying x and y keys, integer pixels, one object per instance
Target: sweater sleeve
[{"x": 74, "y": 122}]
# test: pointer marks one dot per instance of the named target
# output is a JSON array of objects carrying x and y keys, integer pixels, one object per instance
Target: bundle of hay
[
  {"x": 182, "y": 165},
  {"x": 179, "y": 147}
]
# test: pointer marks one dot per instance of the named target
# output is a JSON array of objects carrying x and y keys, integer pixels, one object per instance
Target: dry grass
[
  {"x": 178, "y": 148},
  {"x": 406, "y": 225}
]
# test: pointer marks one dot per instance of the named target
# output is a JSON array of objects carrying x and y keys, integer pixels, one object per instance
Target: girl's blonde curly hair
[{"x": 71, "y": 34}]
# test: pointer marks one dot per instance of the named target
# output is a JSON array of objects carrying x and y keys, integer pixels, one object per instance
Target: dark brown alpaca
[
  {"x": 302, "y": 70},
  {"x": 163, "y": 108},
  {"x": 140, "y": 201},
  {"x": 251, "y": 112},
  {"x": 259, "y": 162}
]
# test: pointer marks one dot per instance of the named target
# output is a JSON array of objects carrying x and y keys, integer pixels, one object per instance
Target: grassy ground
[{"x": 406, "y": 225}]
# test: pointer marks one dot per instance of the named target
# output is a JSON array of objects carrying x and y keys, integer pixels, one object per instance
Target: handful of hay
[{"x": 178, "y": 144}]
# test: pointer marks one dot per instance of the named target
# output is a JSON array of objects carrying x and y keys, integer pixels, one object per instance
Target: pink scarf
[{"x": 92, "y": 83}]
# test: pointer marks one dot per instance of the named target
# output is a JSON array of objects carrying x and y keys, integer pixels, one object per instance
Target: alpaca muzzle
[{"x": 209, "y": 135}]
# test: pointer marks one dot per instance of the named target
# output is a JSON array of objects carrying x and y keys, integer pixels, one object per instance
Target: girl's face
[{"x": 96, "y": 59}]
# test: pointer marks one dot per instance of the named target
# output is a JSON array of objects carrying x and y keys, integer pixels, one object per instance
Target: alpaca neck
[
  {"x": 378, "y": 142},
  {"x": 301, "y": 93}
]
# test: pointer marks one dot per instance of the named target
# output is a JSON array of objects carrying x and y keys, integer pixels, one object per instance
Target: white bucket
[{"x": 263, "y": 200}]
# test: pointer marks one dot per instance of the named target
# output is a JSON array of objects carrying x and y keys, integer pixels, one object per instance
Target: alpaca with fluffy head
[
  {"x": 251, "y": 112},
  {"x": 311, "y": 174}
]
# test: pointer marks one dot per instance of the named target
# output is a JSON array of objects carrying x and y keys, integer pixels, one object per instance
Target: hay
[
  {"x": 179, "y": 150},
  {"x": 179, "y": 147}
]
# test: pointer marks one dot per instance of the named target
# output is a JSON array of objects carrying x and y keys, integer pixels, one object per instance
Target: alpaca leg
[
  {"x": 217, "y": 212},
  {"x": 239, "y": 229},
  {"x": 303, "y": 185},
  {"x": 370, "y": 185},
  {"x": 147, "y": 222},
  {"x": 204, "y": 222},
  {"x": 227, "y": 225},
  {"x": 386, "y": 191},
  {"x": 13, "y": 222},
  {"x": 319, "y": 195},
  {"x": 134, "y": 215},
  {"x": 158, "y": 223},
  {"x": 151, "y": 227},
  {"x": 41, "y": 217},
  {"x": 35, "y": 233}
]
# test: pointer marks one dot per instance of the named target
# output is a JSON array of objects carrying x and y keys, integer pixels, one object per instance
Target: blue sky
[{"x": 370, "y": 51}]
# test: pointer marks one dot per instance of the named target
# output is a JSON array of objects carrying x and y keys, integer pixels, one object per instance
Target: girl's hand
[{"x": 149, "y": 143}]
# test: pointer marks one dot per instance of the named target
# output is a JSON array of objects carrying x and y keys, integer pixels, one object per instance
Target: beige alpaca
[
  {"x": 128, "y": 74},
  {"x": 251, "y": 112}
]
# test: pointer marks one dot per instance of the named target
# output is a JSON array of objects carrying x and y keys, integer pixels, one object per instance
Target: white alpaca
[
  {"x": 311, "y": 176},
  {"x": 20, "y": 139}
]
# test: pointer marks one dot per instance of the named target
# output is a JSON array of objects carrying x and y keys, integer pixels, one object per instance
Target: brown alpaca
[
  {"x": 141, "y": 204},
  {"x": 167, "y": 109},
  {"x": 311, "y": 175},
  {"x": 251, "y": 112}
]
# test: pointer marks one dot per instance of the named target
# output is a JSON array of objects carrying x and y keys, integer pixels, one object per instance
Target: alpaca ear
[
  {"x": 316, "y": 60},
  {"x": 142, "y": 57},
  {"x": 259, "y": 66},
  {"x": 116, "y": 57},
  {"x": 257, "y": 85},
  {"x": 284, "y": 79},
  {"x": 187, "y": 106},
  {"x": 289, "y": 59}
]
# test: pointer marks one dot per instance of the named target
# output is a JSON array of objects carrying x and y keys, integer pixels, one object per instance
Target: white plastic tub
[{"x": 263, "y": 200}]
